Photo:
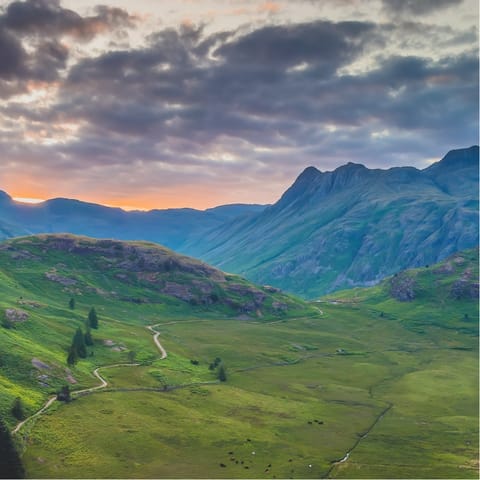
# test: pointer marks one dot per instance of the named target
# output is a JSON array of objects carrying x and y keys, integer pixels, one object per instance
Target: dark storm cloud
[
  {"x": 185, "y": 83},
  {"x": 12, "y": 55},
  {"x": 269, "y": 97},
  {"x": 250, "y": 90},
  {"x": 417, "y": 7},
  {"x": 323, "y": 43},
  {"x": 30, "y": 40},
  {"x": 48, "y": 17}
]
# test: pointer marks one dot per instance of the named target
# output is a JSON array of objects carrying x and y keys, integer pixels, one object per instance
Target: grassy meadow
[{"x": 394, "y": 384}]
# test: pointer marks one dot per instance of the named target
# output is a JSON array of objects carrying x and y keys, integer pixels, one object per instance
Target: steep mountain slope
[
  {"x": 352, "y": 226},
  {"x": 170, "y": 227}
]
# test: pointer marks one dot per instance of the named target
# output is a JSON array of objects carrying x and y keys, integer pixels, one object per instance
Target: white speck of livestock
[
  {"x": 253, "y": 453},
  {"x": 310, "y": 466}
]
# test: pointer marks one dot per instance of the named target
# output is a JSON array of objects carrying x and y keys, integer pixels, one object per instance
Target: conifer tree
[
  {"x": 71, "y": 303},
  {"x": 92, "y": 318},
  {"x": 10, "y": 463},
  {"x": 17, "y": 409},
  {"x": 222, "y": 374},
  {"x": 63, "y": 395},
  {"x": 72, "y": 356},
  {"x": 88, "y": 337},
  {"x": 78, "y": 344}
]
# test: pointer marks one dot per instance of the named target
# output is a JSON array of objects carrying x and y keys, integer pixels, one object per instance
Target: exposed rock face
[
  {"x": 280, "y": 306},
  {"x": 40, "y": 365},
  {"x": 65, "y": 281},
  {"x": 29, "y": 303},
  {"x": 270, "y": 289},
  {"x": 15, "y": 315},
  {"x": 402, "y": 287},
  {"x": 445, "y": 269},
  {"x": 464, "y": 288},
  {"x": 178, "y": 291}
]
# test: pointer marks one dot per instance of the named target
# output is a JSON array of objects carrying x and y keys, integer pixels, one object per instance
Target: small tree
[
  {"x": 17, "y": 409},
  {"x": 71, "y": 303},
  {"x": 88, "y": 337},
  {"x": 92, "y": 318},
  {"x": 222, "y": 374},
  {"x": 72, "y": 356},
  {"x": 63, "y": 395},
  {"x": 78, "y": 343}
]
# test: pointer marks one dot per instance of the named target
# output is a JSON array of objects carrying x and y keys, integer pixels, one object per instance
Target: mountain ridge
[
  {"x": 169, "y": 227},
  {"x": 330, "y": 230}
]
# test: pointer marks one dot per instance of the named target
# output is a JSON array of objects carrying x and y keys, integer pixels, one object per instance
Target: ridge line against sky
[
  {"x": 35, "y": 201},
  {"x": 200, "y": 103}
]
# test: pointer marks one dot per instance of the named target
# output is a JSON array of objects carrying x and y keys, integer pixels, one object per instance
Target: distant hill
[
  {"x": 353, "y": 226},
  {"x": 452, "y": 284},
  {"x": 171, "y": 227}
]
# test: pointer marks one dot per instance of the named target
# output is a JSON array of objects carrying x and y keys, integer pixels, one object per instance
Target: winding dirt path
[
  {"x": 23, "y": 422},
  {"x": 156, "y": 334},
  {"x": 103, "y": 382},
  {"x": 96, "y": 373}
]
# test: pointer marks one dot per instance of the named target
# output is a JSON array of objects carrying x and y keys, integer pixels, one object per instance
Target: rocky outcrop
[
  {"x": 65, "y": 281},
  {"x": 402, "y": 287},
  {"x": 464, "y": 289},
  {"x": 178, "y": 291},
  {"x": 16, "y": 315}
]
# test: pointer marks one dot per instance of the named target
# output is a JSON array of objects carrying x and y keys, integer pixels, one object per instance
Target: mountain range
[
  {"x": 353, "y": 226},
  {"x": 170, "y": 227},
  {"x": 330, "y": 230}
]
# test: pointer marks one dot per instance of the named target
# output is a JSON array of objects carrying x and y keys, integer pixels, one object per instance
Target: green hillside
[
  {"x": 388, "y": 383},
  {"x": 129, "y": 284}
]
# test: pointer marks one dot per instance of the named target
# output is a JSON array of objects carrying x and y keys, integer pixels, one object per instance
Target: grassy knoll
[{"x": 303, "y": 387}]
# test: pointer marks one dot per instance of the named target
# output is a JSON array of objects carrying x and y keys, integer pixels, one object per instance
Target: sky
[{"x": 196, "y": 103}]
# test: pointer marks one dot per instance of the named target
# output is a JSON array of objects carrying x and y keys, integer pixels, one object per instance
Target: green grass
[{"x": 303, "y": 387}]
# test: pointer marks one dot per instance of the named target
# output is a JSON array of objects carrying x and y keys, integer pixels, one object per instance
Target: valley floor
[{"x": 388, "y": 401}]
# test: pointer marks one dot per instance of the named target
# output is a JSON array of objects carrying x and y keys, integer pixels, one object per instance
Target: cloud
[
  {"x": 172, "y": 89},
  {"x": 12, "y": 55},
  {"x": 322, "y": 43},
  {"x": 417, "y": 7},
  {"x": 48, "y": 17},
  {"x": 31, "y": 46},
  {"x": 255, "y": 103}
]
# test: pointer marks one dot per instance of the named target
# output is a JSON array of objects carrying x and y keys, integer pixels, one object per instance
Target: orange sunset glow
[{"x": 195, "y": 196}]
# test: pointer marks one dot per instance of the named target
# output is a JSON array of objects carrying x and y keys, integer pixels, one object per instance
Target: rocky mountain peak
[{"x": 455, "y": 159}]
